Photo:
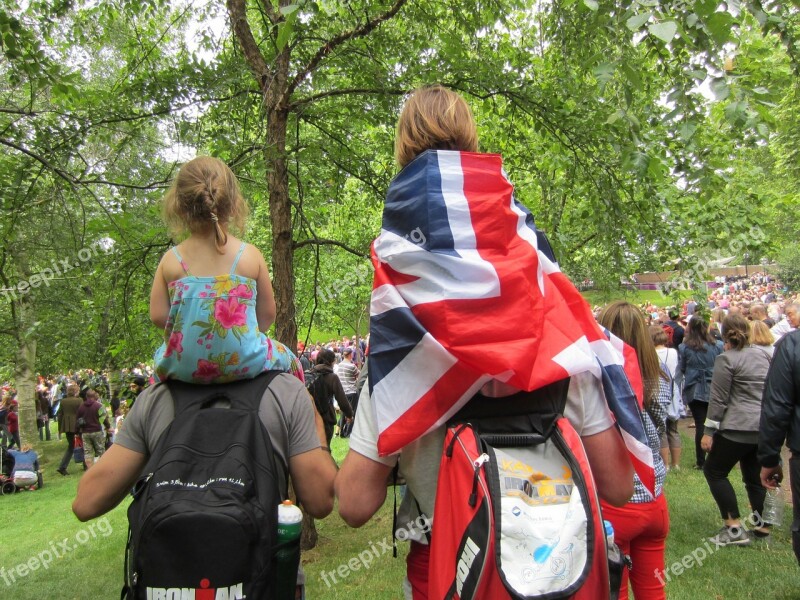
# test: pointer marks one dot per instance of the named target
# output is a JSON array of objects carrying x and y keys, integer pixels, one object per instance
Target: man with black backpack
[
  {"x": 207, "y": 483},
  {"x": 324, "y": 386}
]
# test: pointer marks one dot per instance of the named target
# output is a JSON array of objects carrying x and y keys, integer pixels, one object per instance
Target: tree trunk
[
  {"x": 24, "y": 369},
  {"x": 280, "y": 209}
]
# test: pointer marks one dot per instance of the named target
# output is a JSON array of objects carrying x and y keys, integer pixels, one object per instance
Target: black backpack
[
  {"x": 205, "y": 512},
  {"x": 316, "y": 386}
]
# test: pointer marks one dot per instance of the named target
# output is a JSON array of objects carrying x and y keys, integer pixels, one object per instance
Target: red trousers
[
  {"x": 417, "y": 569},
  {"x": 640, "y": 530}
]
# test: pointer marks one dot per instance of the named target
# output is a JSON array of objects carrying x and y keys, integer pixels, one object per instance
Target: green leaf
[
  {"x": 698, "y": 74},
  {"x": 686, "y": 130},
  {"x": 636, "y": 21},
  {"x": 720, "y": 88},
  {"x": 289, "y": 9},
  {"x": 285, "y": 30},
  {"x": 592, "y": 5},
  {"x": 719, "y": 26},
  {"x": 604, "y": 73},
  {"x": 615, "y": 116},
  {"x": 665, "y": 31}
]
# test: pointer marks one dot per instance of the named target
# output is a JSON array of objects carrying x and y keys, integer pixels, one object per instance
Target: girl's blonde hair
[
  {"x": 204, "y": 194},
  {"x": 760, "y": 335},
  {"x": 434, "y": 118}
]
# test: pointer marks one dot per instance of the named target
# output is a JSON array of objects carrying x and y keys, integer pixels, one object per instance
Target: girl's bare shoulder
[{"x": 250, "y": 262}]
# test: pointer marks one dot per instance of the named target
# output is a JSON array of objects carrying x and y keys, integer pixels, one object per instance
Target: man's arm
[
  {"x": 313, "y": 473},
  {"x": 778, "y": 404},
  {"x": 611, "y": 467},
  {"x": 105, "y": 485},
  {"x": 361, "y": 488}
]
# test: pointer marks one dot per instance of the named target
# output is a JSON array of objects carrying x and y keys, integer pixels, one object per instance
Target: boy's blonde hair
[
  {"x": 434, "y": 118},
  {"x": 204, "y": 194}
]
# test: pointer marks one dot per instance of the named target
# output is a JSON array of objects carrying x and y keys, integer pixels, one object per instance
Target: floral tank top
[{"x": 212, "y": 333}]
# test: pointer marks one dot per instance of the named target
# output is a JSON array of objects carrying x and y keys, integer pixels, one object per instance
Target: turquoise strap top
[{"x": 185, "y": 267}]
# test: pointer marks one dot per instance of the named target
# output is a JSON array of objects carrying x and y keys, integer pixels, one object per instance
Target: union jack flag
[{"x": 466, "y": 291}]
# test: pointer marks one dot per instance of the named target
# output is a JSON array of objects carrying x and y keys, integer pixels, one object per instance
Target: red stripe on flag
[{"x": 424, "y": 413}]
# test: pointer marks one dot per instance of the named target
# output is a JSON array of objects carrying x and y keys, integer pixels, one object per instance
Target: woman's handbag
[{"x": 77, "y": 451}]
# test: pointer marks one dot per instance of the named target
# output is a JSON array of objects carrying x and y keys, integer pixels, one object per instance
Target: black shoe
[{"x": 62, "y": 471}]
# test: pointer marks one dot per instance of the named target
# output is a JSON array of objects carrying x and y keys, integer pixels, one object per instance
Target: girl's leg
[
  {"x": 628, "y": 524},
  {"x": 647, "y": 551},
  {"x": 674, "y": 441},
  {"x": 751, "y": 475},
  {"x": 699, "y": 411},
  {"x": 722, "y": 458}
]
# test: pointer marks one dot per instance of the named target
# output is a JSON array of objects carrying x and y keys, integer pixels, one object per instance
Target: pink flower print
[
  {"x": 200, "y": 342},
  {"x": 174, "y": 344},
  {"x": 208, "y": 346},
  {"x": 210, "y": 336},
  {"x": 206, "y": 371},
  {"x": 241, "y": 291},
  {"x": 203, "y": 294},
  {"x": 230, "y": 313}
]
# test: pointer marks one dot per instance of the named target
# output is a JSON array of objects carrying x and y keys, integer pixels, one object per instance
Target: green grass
[
  {"x": 732, "y": 573},
  {"x": 33, "y": 523},
  {"x": 655, "y": 297}
]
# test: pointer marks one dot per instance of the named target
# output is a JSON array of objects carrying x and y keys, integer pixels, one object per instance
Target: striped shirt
[{"x": 348, "y": 375}]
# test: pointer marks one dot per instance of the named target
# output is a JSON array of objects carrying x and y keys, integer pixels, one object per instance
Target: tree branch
[
  {"x": 237, "y": 10},
  {"x": 324, "y": 242},
  {"x": 72, "y": 180},
  {"x": 345, "y": 92},
  {"x": 333, "y": 43}
]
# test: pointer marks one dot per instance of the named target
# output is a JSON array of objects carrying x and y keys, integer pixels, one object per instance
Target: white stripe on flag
[
  {"x": 607, "y": 353},
  {"x": 417, "y": 373},
  {"x": 578, "y": 357},
  {"x": 441, "y": 276}
]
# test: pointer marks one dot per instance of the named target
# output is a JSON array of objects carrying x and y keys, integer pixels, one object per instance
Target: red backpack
[{"x": 517, "y": 515}]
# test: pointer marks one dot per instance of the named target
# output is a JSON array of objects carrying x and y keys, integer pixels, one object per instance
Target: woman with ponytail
[
  {"x": 213, "y": 315},
  {"x": 731, "y": 430}
]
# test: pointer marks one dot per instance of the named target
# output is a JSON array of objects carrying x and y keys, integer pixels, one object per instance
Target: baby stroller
[{"x": 6, "y": 469}]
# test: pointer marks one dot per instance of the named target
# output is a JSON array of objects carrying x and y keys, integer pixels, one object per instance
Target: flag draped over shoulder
[{"x": 467, "y": 290}]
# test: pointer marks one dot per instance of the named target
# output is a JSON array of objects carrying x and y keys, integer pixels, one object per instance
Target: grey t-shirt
[{"x": 286, "y": 411}]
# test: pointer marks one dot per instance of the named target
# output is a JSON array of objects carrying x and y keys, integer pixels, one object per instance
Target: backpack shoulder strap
[{"x": 191, "y": 397}]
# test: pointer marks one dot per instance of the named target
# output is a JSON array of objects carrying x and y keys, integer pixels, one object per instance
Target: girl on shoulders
[{"x": 212, "y": 293}]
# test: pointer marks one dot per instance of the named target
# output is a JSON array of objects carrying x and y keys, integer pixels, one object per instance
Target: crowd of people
[{"x": 84, "y": 407}]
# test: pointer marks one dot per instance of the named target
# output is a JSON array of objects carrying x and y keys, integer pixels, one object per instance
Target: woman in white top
[{"x": 670, "y": 439}]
